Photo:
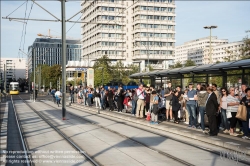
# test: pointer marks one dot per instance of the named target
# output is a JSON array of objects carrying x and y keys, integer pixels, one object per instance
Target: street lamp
[
  {"x": 210, "y": 53},
  {"x": 102, "y": 74}
]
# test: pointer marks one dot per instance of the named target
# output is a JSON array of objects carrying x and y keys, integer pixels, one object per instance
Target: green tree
[
  {"x": 102, "y": 64},
  {"x": 176, "y": 65},
  {"x": 189, "y": 62}
]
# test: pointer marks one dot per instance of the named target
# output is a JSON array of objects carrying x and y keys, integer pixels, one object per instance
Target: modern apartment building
[
  {"x": 48, "y": 51},
  {"x": 197, "y": 50},
  {"x": 227, "y": 52},
  {"x": 15, "y": 68},
  {"x": 133, "y": 30}
]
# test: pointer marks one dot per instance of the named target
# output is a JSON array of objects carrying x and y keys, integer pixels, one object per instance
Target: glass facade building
[{"x": 48, "y": 51}]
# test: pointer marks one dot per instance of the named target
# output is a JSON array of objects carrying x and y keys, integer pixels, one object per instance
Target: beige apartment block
[{"x": 197, "y": 50}]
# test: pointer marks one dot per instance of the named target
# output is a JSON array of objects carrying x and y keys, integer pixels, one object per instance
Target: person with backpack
[
  {"x": 79, "y": 96},
  {"x": 53, "y": 91}
]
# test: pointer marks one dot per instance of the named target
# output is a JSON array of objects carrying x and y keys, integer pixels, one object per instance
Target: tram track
[
  {"x": 28, "y": 159},
  {"x": 128, "y": 138},
  {"x": 218, "y": 153},
  {"x": 64, "y": 136}
]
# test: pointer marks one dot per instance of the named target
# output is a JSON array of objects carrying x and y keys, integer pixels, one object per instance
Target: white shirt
[
  {"x": 58, "y": 93},
  {"x": 231, "y": 99},
  {"x": 140, "y": 94}
]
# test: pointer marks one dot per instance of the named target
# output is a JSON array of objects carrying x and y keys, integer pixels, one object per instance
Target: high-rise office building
[
  {"x": 48, "y": 51},
  {"x": 141, "y": 30}
]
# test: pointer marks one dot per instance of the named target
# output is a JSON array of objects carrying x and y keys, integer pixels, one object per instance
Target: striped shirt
[{"x": 231, "y": 99}]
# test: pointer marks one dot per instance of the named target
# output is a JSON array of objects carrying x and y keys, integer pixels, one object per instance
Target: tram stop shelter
[{"x": 223, "y": 74}]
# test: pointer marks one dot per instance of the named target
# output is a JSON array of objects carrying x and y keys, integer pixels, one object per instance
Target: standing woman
[
  {"x": 175, "y": 106},
  {"x": 246, "y": 101},
  {"x": 90, "y": 95},
  {"x": 147, "y": 100},
  {"x": 232, "y": 107},
  {"x": 120, "y": 94},
  {"x": 97, "y": 95},
  {"x": 223, "y": 109}
]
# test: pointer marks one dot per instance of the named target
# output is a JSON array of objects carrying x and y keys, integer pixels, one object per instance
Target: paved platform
[
  {"x": 45, "y": 145},
  {"x": 109, "y": 140},
  {"x": 3, "y": 134},
  {"x": 222, "y": 140}
]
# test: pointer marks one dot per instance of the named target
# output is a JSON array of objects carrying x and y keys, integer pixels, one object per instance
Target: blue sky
[{"x": 231, "y": 17}]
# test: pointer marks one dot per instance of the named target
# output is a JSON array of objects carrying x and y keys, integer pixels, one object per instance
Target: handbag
[
  {"x": 242, "y": 113},
  {"x": 229, "y": 115}
]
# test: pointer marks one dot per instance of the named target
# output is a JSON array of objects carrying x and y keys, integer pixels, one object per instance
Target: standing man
[
  {"x": 110, "y": 99},
  {"x": 140, "y": 101},
  {"x": 191, "y": 106},
  {"x": 211, "y": 111},
  {"x": 71, "y": 91},
  {"x": 168, "y": 97}
]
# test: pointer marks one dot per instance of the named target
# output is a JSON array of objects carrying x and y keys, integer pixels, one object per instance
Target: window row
[
  {"x": 154, "y": 26},
  {"x": 111, "y": 44},
  {"x": 160, "y": 35},
  {"x": 155, "y": 52},
  {"x": 154, "y": 43},
  {"x": 151, "y": 8},
  {"x": 112, "y": 35},
  {"x": 104, "y": 17},
  {"x": 108, "y": 26},
  {"x": 153, "y": 17}
]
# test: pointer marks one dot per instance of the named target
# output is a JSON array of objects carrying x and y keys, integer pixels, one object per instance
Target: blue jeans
[
  {"x": 192, "y": 114},
  {"x": 133, "y": 107},
  {"x": 224, "y": 120},
  {"x": 202, "y": 114},
  {"x": 246, "y": 123},
  {"x": 72, "y": 98}
]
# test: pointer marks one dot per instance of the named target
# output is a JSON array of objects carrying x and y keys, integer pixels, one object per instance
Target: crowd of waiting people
[{"x": 198, "y": 107}]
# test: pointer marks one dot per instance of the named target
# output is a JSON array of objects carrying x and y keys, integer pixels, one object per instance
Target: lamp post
[
  {"x": 102, "y": 74},
  {"x": 210, "y": 53}
]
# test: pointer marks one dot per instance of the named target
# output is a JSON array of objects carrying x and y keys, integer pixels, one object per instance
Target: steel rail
[
  {"x": 162, "y": 135},
  {"x": 124, "y": 136},
  {"x": 74, "y": 145},
  {"x": 24, "y": 144}
]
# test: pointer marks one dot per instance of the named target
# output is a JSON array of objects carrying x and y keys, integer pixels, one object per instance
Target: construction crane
[{"x": 50, "y": 36}]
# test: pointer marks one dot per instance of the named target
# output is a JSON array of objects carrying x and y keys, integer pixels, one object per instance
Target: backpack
[{"x": 135, "y": 97}]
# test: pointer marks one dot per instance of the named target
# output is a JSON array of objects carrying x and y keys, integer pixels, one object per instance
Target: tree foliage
[
  {"x": 189, "y": 62},
  {"x": 176, "y": 65}
]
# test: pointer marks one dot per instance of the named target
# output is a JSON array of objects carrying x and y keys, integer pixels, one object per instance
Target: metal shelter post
[
  {"x": 243, "y": 77},
  {"x": 224, "y": 79},
  {"x": 63, "y": 60},
  {"x": 34, "y": 73}
]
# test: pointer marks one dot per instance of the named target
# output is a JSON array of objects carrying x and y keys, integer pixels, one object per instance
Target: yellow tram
[{"x": 14, "y": 88}]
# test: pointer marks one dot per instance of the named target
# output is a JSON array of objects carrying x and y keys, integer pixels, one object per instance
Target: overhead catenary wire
[
  {"x": 73, "y": 25},
  {"x": 23, "y": 29},
  {"x": 17, "y": 8},
  {"x": 26, "y": 24}
]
